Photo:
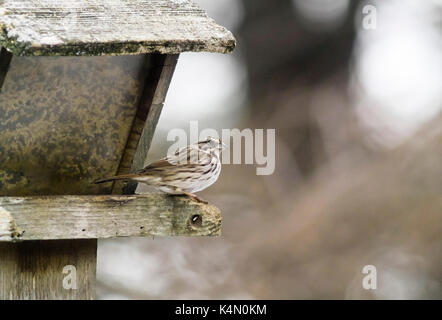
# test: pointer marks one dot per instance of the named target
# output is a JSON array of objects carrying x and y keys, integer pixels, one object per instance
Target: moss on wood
[{"x": 67, "y": 28}]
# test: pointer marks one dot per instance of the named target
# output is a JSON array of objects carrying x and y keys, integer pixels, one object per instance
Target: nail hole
[
  {"x": 196, "y": 220},
  {"x": 141, "y": 227}
]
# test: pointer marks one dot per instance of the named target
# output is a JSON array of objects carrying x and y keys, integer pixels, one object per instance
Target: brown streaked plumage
[{"x": 191, "y": 169}]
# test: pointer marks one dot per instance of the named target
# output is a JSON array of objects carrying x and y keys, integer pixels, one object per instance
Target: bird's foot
[{"x": 196, "y": 198}]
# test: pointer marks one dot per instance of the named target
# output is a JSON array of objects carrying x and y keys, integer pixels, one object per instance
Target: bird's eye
[{"x": 196, "y": 220}]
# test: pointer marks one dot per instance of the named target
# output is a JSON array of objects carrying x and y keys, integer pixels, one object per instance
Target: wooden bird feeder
[{"x": 82, "y": 87}]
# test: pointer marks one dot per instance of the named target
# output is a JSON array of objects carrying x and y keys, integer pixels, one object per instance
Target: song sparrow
[{"x": 189, "y": 170}]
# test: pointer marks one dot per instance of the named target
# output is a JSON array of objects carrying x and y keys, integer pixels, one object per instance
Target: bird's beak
[{"x": 223, "y": 146}]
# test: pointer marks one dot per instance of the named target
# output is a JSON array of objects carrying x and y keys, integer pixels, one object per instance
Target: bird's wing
[
  {"x": 182, "y": 159},
  {"x": 159, "y": 165}
]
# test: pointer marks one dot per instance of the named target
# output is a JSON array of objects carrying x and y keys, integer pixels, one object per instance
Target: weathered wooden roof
[{"x": 113, "y": 27}]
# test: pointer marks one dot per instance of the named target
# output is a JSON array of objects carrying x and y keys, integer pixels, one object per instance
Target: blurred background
[{"x": 356, "y": 104}]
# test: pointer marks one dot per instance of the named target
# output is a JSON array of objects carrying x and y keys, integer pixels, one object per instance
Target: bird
[{"x": 190, "y": 169}]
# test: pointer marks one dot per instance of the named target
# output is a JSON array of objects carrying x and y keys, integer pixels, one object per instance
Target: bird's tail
[{"x": 115, "y": 178}]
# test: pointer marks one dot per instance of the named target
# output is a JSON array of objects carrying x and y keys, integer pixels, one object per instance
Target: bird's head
[{"x": 211, "y": 144}]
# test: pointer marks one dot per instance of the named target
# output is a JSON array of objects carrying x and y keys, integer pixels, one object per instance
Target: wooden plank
[
  {"x": 148, "y": 113},
  {"x": 60, "y": 269},
  {"x": 85, "y": 27},
  {"x": 107, "y": 216}
]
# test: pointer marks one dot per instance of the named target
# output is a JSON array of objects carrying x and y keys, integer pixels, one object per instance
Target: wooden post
[{"x": 34, "y": 269}]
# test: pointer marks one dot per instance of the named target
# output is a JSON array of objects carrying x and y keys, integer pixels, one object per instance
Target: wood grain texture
[
  {"x": 96, "y": 27},
  {"x": 153, "y": 101},
  {"x": 34, "y": 269},
  {"x": 107, "y": 216},
  {"x": 146, "y": 119}
]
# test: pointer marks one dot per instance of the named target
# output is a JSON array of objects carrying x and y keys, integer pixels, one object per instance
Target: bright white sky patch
[
  {"x": 399, "y": 68},
  {"x": 204, "y": 84}
]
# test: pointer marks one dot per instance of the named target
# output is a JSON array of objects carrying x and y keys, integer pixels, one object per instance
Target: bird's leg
[{"x": 194, "y": 197}]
